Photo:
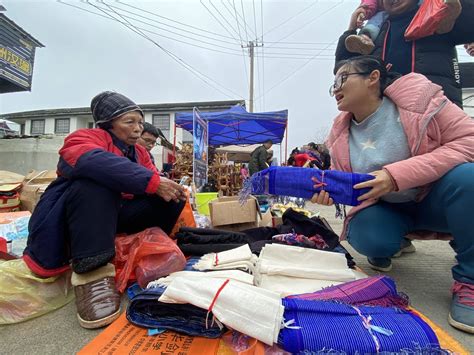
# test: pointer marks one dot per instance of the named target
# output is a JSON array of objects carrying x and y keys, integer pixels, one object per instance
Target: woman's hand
[
  {"x": 169, "y": 190},
  {"x": 381, "y": 185},
  {"x": 322, "y": 199},
  {"x": 357, "y": 19}
]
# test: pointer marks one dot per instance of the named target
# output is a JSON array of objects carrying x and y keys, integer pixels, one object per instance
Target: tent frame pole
[{"x": 174, "y": 149}]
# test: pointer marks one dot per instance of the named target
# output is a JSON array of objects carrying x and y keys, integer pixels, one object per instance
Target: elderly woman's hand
[
  {"x": 169, "y": 190},
  {"x": 381, "y": 185}
]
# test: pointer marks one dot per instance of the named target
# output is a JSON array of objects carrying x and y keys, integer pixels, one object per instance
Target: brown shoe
[
  {"x": 359, "y": 44},
  {"x": 97, "y": 301},
  {"x": 447, "y": 23}
]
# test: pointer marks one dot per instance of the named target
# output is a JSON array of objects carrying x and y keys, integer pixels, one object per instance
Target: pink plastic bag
[
  {"x": 426, "y": 20},
  {"x": 146, "y": 256}
]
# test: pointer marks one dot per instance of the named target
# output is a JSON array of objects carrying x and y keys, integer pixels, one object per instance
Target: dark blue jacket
[{"x": 86, "y": 154}]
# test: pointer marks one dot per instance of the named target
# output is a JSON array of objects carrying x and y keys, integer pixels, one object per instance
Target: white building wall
[{"x": 49, "y": 126}]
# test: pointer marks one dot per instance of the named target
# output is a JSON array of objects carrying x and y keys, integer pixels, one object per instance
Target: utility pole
[
  {"x": 251, "y": 45},
  {"x": 251, "y": 55}
]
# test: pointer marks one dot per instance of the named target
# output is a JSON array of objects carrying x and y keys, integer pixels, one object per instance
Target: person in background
[
  {"x": 106, "y": 185},
  {"x": 433, "y": 56},
  {"x": 244, "y": 172},
  {"x": 325, "y": 157},
  {"x": 148, "y": 138},
  {"x": 372, "y": 10},
  {"x": 423, "y": 169},
  {"x": 469, "y": 48},
  {"x": 258, "y": 158}
]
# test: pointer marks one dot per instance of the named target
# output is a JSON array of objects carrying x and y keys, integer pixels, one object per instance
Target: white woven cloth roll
[
  {"x": 248, "y": 309},
  {"x": 240, "y": 258}
]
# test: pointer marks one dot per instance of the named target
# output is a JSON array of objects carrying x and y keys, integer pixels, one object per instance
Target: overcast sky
[{"x": 85, "y": 54}]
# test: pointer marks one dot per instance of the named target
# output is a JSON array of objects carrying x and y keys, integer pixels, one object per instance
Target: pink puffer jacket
[{"x": 439, "y": 133}]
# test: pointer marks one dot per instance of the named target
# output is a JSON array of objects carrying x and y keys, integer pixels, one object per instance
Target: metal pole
[
  {"x": 286, "y": 142},
  {"x": 251, "y": 55},
  {"x": 174, "y": 149}
]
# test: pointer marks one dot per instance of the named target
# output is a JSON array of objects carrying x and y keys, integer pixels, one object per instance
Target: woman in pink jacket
[{"x": 420, "y": 148}]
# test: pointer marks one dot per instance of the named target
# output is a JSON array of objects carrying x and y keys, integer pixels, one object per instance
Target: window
[
  {"x": 162, "y": 122},
  {"x": 90, "y": 124},
  {"x": 61, "y": 125},
  {"x": 37, "y": 127}
]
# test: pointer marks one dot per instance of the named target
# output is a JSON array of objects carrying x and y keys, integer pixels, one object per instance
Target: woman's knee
[
  {"x": 461, "y": 178},
  {"x": 374, "y": 235}
]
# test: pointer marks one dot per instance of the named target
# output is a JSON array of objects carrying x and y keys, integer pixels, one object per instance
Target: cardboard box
[
  {"x": 228, "y": 210},
  {"x": 227, "y": 214},
  {"x": 35, "y": 184}
]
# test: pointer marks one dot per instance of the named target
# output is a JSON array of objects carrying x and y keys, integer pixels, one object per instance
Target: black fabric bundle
[{"x": 199, "y": 241}]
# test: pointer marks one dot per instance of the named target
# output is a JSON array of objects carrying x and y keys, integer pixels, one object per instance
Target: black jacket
[{"x": 434, "y": 56}]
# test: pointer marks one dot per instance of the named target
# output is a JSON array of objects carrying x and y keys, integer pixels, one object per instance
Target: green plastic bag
[{"x": 23, "y": 295}]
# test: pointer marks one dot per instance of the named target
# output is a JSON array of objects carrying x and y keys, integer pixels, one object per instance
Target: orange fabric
[
  {"x": 185, "y": 219},
  {"x": 121, "y": 337},
  {"x": 445, "y": 340}
]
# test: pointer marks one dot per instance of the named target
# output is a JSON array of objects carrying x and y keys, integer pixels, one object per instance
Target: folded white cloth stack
[
  {"x": 240, "y": 258},
  {"x": 292, "y": 270},
  {"x": 248, "y": 309}
]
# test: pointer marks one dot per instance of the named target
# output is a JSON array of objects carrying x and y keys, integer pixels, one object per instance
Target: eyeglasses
[{"x": 340, "y": 80}]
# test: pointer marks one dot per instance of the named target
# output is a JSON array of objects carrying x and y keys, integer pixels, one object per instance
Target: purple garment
[{"x": 371, "y": 291}]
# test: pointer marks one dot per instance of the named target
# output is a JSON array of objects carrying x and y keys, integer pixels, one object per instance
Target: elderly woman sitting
[{"x": 106, "y": 184}]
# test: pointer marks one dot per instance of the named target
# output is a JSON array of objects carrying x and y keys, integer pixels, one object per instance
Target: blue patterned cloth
[
  {"x": 329, "y": 326},
  {"x": 297, "y": 182}
]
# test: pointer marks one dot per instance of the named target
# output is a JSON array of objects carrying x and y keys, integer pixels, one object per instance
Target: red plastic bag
[
  {"x": 426, "y": 20},
  {"x": 146, "y": 256}
]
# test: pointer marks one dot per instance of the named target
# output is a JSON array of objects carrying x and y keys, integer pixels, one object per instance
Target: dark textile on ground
[
  {"x": 196, "y": 241},
  {"x": 145, "y": 310}
]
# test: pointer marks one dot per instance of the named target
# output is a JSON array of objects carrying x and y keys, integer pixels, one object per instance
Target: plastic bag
[
  {"x": 23, "y": 295},
  {"x": 146, "y": 256},
  {"x": 426, "y": 20},
  {"x": 185, "y": 219}
]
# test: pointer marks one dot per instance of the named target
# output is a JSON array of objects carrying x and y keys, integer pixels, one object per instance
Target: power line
[
  {"x": 290, "y": 75},
  {"x": 245, "y": 22},
  {"x": 263, "y": 56},
  {"x": 307, "y": 23},
  {"x": 170, "y": 54},
  {"x": 254, "y": 19},
  {"x": 171, "y": 20},
  {"x": 166, "y": 30},
  {"x": 238, "y": 13},
  {"x": 225, "y": 28},
  {"x": 247, "y": 79},
  {"x": 225, "y": 19},
  {"x": 290, "y": 18},
  {"x": 165, "y": 24},
  {"x": 158, "y": 34},
  {"x": 234, "y": 15}
]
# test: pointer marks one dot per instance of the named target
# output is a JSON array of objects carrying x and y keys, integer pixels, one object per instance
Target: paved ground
[{"x": 425, "y": 276}]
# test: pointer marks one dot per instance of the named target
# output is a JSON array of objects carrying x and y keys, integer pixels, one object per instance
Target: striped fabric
[
  {"x": 321, "y": 326},
  {"x": 109, "y": 105},
  {"x": 301, "y": 182},
  {"x": 373, "y": 291}
]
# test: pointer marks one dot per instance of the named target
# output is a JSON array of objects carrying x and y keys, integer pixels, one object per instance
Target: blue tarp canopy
[{"x": 237, "y": 126}]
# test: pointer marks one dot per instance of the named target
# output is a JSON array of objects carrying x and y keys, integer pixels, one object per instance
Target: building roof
[
  {"x": 184, "y": 106},
  {"x": 20, "y": 31}
]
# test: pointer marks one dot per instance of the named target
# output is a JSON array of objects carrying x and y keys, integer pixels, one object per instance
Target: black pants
[{"x": 95, "y": 214}]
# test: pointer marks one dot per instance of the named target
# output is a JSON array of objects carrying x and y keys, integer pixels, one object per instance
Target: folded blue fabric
[
  {"x": 329, "y": 327},
  {"x": 298, "y": 182},
  {"x": 146, "y": 311}
]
